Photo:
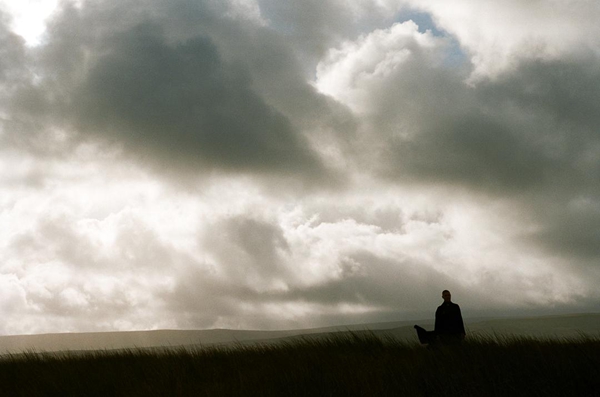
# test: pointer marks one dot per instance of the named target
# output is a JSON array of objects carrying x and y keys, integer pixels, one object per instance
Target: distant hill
[
  {"x": 546, "y": 326},
  {"x": 163, "y": 338}
]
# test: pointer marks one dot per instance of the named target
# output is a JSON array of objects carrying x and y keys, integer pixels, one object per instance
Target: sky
[{"x": 280, "y": 164}]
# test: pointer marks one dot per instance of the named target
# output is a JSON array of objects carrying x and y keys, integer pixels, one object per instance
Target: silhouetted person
[{"x": 449, "y": 326}]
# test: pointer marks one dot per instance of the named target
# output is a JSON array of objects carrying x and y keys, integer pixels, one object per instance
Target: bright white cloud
[
  {"x": 29, "y": 17},
  {"x": 499, "y": 35},
  {"x": 352, "y": 73}
]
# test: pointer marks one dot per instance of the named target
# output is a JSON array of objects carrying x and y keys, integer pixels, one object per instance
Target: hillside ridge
[{"x": 569, "y": 325}]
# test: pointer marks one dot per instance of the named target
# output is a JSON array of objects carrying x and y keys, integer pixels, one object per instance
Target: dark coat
[{"x": 448, "y": 320}]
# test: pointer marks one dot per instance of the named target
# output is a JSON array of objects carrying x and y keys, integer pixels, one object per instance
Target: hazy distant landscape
[{"x": 563, "y": 326}]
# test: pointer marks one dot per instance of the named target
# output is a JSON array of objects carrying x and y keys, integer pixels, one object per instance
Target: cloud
[
  {"x": 13, "y": 54},
  {"x": 434, "y": 125},
  {"x": 12, "y": 73},
  {"x": 340, "y": 270},
  {"x": 159, "y": 154},
  {"x": 257, "y": 262},
  {"x": 315, "y": 26},
  {"x": 183, "y": 105},
  {"x": 64, "y": 277},
  {"x": 524, "y": 136},
  {"x": 499, "y": 36},
  {"x": 170, "y": 97}
]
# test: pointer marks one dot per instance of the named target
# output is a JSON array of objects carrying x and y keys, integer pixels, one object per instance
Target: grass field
[{"x": 343, "y": 364}]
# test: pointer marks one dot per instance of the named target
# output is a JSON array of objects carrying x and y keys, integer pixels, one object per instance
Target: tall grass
[{"x": 342, "y": 364}]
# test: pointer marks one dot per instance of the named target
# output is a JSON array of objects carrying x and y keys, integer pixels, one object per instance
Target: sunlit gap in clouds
[
  {"x": 29, "y": 17},
  {"x": 422, "y": 19}
]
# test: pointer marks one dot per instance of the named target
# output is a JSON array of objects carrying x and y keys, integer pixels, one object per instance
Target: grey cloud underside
[
  {"x": 257, "y": 253},
  {"x": 368, "y": 279},
  {"x": 179, "y": 103},
  {"x": 13, "y": 75},
  {"x": 256, "y": 248},
  {"x": 12, "y": 55},
  {"x": 182, "y": 103},
  {"x": 533, "y": 129},
  {"x": 313, "y": 26},
  {"x": 163, "y": 93},
  {"x": 530, "y": 136},
  {"x": 383, "y": 286},
  {"x": 570, "y": 234}
]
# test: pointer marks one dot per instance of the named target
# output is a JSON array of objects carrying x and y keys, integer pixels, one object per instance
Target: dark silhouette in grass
[
  {"x": 449, "y": 326},
  {"x": 425, "y": 337}
]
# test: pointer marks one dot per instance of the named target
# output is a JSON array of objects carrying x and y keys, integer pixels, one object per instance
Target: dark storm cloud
[
  {"x": 474, "y": 150},
  {"x": 12, "y": 54},
  {"x": 568, "y": 232},
  {"x": 530, "y": 135},
  {"x": 120, "y": 74},
  {"x": 182, "y": 104},
  {"x": 13, "y": 76},
  {"x": 566, "y": 90},
  {"x": 366, "y": 278},
  {"x": 563, "y": 99},
  {"x": 469, "y": 136},
  {"x": 314, "y": 26}
]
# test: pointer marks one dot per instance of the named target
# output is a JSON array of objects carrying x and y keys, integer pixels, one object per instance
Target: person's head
[{"x": 446, "y": 296}]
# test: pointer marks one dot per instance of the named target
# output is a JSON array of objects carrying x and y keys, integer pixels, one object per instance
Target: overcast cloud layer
[{"x": 282, "y": 164}]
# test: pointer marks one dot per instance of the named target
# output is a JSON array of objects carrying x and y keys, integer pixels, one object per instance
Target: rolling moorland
[
  {"x": 550, "y": 356},
  {"x": 547, "y": 326}
]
